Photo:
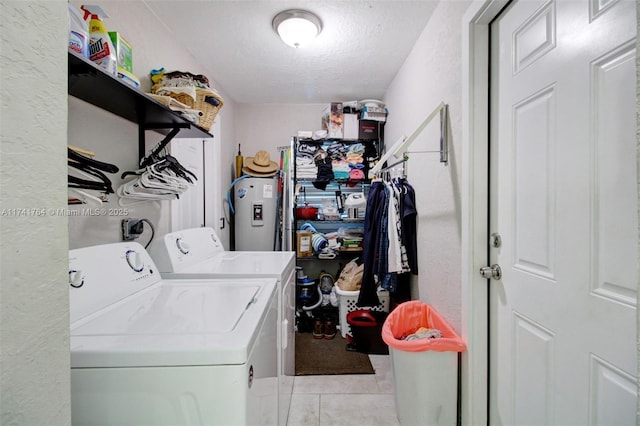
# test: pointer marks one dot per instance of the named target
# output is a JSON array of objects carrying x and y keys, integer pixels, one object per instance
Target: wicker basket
[
  {"x": 209, "y": 102},
  {"x": 183, "y": 97},
  {"x": 168, "y": 101}
]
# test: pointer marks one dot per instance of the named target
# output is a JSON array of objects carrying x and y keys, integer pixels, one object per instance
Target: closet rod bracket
[
  {"x": 403, "y": 144},
  {"x": 175, "y": 129}
]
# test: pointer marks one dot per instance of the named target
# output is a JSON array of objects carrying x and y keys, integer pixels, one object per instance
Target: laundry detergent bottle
[{"x": 101, "y": 50}]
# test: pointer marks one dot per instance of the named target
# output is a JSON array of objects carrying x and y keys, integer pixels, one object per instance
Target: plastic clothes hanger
[
  {"x": 94, "y": 175},
  {"x": 154, "y": 183},
  {"x": 76, "y": 182},
  {"x": 169, "y": 161},
  {"x": 161, "y": 177},
  {"x": 105, "y": 167},
  {"x": 85, "y": 197},
  {"x": 82, "y": 151}
]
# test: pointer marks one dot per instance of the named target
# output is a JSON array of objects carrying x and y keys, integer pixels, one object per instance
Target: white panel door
[
  {"x": 564, "y": 201},
  {"x": 202, "y": 204},
  {"x": 188, "y": 210}
]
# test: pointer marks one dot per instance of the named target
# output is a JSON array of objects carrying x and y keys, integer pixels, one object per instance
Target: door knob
[{"x": 491, "y": 272}]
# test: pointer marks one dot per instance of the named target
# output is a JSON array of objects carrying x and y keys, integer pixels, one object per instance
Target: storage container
[
  {"x": 124, "y": 51},
  {"x": 347, "y": 302},
  {"x": 425, "y": 370},
  {"x": 366, "y": 329}
]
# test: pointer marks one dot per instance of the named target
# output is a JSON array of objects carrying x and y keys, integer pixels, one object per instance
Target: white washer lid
[
  {"x": 175, "y": 322},
  {"x": 239, "y": 263}
]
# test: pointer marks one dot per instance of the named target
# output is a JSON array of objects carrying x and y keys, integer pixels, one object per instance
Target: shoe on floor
[
  {"x": 318, "y": 329},
  {"x": 330, "y": 329}
]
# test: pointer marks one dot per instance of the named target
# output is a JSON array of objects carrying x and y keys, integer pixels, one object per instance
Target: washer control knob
[
  {"x": 76, "y": 279},
  {"x": 134, "y": 260},
  {"x": 182, "y": 246}
]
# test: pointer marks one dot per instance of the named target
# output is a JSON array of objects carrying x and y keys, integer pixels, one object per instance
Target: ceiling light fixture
[{"x": 297, "y": 27}]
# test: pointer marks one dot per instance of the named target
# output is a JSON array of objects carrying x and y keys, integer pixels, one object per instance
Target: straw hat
[{"x": 260, "y": 165}]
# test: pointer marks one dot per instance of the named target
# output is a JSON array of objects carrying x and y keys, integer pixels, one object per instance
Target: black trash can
[{"x": 366, "y": 327}]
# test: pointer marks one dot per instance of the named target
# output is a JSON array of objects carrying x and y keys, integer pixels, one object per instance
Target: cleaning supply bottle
[
  {"x": 101, "y": 50},
  {"x": 78, "y": 32}
]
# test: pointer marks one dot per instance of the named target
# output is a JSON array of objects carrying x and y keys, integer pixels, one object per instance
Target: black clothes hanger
[
  {"x": 106, "y": 167},
  {"x": 179, "y": 169},
  {"x": 93, "y": 172},
  {"x": 164, "y": 162},
  {"x": 91, "y": 169},
  {"x": 76, "y": 182},
  {"x": 131, "y": 173}
]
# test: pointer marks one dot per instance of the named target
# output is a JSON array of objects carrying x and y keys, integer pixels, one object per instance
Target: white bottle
[
  {"x": 101, "y": 50},
  {"x": 78, "y": 32}
]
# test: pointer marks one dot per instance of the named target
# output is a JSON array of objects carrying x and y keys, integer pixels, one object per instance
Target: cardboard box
[
  {"x": 124, "y": 51},
  {"x": 332, "y": 120},
  {"x": 350, "y": 131},
  {"x": 369, "y": 129},
  {"x": 374, "y": 113},
  {"x": 128, "y": 78},
  {"x": 303, "y": 246}
]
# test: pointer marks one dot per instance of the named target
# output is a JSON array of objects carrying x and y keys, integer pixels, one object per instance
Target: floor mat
[{"x": 322, "y": 356}]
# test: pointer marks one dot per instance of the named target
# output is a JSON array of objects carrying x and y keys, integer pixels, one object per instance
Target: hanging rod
[
  {"x": 405, "y": 157},
  {"x": 404, "y": 142}
]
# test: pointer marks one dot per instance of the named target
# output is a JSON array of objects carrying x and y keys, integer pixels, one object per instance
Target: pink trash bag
[{"x": 409, "y": 317}]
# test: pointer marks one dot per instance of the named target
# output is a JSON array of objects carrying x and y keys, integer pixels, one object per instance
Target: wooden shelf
[{"x": 89, "y": 82}]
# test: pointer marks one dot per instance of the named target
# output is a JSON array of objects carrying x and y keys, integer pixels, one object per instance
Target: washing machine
[
  {"x": 199, "y": 253},
  {"x": 149, "y": 351}
]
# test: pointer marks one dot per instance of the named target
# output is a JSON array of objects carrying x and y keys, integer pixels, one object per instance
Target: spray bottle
[
  {"x": 101, "y": 50},
  {"x": 78, "y": 32}
]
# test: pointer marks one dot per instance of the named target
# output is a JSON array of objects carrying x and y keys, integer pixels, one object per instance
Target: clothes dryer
[
  {"x": 199, "y": 253},
  {"x": 150, "y": 351}
]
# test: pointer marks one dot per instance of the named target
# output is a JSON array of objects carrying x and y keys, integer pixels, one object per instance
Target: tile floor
[{"x": 359, "y": 399}]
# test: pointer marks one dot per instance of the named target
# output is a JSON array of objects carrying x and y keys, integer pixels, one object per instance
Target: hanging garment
[
  {"x": 409, "y": 216},
  {"x": 382, "y": 249},
  {"x": 399, "y": 192},
  {"x": 390, "y": 243},
  {"x": 390, "y": 259},
  {"x": 394, "y": 229},
  {"x": 373, "y": 219}
]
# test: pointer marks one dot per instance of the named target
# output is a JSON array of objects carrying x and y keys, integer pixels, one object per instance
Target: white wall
[
  {"x": 638, "y": 180},
  {"x": 34, "y": 297},
  {"x": 34, "y": 363},
  {"x": 430, "y": 75},
  {"x": 114, "y": 140},
  {"x": 268, "y": 126}
]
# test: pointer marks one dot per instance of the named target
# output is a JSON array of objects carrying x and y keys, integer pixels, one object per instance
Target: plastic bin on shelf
[
  {"x": 347, "y": 303},
  {"x": 425, "y": 371}
]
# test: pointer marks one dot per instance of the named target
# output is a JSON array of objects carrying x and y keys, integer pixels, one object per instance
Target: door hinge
[{"x": 491, "y": 272}]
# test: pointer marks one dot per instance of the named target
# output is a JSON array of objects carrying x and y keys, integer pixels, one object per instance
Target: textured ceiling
[{"x": 357, "y": 55}]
